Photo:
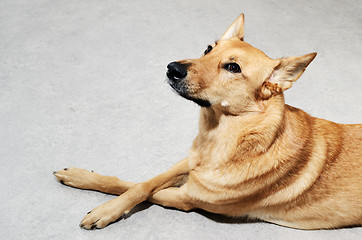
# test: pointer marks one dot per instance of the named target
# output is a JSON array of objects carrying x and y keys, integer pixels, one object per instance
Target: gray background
[{"x": 82, "y": 83}]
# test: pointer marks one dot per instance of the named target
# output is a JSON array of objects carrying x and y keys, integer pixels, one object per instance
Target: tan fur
[{"x": 254, "y": 155}]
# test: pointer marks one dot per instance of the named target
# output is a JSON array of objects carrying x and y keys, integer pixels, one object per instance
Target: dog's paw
[
  {"x": 76, "y": 177},
  {"x": 103, "y": 215}
]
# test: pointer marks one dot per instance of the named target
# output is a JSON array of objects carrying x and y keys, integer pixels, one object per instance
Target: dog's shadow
[
  {"x": 215, "y": 217},
  {"x": 212, "y": 216}
]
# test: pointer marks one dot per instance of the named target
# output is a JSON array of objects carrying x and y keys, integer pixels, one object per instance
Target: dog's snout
[{"x": 176, "y": 71}]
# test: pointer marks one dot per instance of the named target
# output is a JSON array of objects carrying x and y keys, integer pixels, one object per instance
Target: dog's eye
[
  {"x": 232, "y": 67},
  {"x": 209, "y": 48}
]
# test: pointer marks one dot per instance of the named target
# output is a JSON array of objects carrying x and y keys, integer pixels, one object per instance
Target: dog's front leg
[
  {"x": 115, "y": 208},
  {"x": 174, "y": 197},
  {"x": 84, "y": 179}
]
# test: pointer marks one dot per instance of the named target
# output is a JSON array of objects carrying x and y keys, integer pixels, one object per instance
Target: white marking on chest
[{"x": 224, "y": 103}]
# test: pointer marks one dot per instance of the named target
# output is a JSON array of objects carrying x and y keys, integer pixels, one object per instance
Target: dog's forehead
[{"x": 237, "y": 49}]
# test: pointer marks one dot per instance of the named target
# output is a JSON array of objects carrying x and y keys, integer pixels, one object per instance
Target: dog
[{"x": 254, "y": 155}]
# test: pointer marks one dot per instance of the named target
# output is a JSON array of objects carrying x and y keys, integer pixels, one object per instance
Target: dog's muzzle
[{"x": 176, "y": 74}]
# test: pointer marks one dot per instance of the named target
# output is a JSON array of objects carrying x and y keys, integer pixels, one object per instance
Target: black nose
[{"x": 176, "y": 71}]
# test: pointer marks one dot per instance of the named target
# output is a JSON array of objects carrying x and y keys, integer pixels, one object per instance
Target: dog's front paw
[
  {"x": 102, "y": 215},
  {"x": 77, "y": 177}
]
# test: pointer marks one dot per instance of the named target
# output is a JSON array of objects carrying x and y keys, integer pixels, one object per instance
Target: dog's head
[{"x": 233, "y": 76}]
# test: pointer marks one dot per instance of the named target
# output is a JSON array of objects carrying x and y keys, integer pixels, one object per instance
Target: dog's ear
[
  {"x": 235, "y": 30},
  {"x": 285, "y": 72}
]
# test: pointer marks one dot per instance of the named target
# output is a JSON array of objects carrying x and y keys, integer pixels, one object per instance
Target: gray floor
[{"x": 82, "y": 83}]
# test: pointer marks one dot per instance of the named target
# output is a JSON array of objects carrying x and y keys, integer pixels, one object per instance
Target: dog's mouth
[{"x": 181, "y": 88}]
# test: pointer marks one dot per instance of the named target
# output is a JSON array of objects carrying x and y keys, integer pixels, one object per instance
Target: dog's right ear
[
  {"x": 286, "y": 71},
  {"x": 235, "y": 30}
]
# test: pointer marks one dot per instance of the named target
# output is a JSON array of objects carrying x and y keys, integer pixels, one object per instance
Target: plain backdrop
[{"x": 82, "y": 83}]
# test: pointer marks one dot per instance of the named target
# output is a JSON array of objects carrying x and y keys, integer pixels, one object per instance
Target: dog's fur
[{"x": 254, "y": 155}]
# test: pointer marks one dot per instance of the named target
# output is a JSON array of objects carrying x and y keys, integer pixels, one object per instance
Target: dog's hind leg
[{"x": 84, "y": 179}]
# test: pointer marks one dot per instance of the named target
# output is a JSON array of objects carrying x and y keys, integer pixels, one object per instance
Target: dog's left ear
[
  {"x": 286, "y": 71},
  {"x": 236, "y": 29}
]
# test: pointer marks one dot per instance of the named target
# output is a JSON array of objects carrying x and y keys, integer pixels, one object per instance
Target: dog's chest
[
  {"x": 211, "y": 158},
  {"x": 211, "y": 148}
]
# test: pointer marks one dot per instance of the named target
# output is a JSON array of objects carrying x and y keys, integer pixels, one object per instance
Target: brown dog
[{"x": 254, "y": 155}]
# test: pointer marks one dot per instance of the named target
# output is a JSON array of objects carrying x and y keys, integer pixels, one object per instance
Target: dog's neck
[{"x": 255, "y": 131}]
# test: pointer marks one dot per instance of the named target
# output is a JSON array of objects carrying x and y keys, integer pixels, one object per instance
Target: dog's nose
[{"x": 176, "y": 71}]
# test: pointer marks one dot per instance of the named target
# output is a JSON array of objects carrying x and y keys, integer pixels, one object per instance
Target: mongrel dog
[{"x": 254, "y": 155}]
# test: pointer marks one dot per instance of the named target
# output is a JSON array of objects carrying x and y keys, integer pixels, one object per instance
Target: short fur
[{"x": 254, "y": 155}]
